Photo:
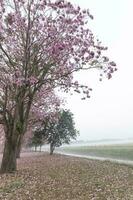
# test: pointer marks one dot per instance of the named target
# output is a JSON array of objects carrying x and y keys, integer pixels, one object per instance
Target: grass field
[
  {"x": 58, "y": 177},
  {"x": 124, "y": 151}
]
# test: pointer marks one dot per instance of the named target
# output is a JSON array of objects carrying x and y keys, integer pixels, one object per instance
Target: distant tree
[
  {"x": 59, "y": 132},
  {"x": 37, "y": 140}
]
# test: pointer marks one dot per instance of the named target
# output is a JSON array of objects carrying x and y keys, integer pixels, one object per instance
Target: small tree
[
  {"x": 37, "y": 140},
  {"x": 61, "y": 131}
]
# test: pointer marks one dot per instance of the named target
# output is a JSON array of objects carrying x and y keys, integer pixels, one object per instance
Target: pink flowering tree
[
  {"x": 45, "y": 106},
  {"x": 41, "y": 43}
]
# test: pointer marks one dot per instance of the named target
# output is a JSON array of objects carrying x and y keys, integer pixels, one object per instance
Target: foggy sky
[{"x": 109, "y": 111}]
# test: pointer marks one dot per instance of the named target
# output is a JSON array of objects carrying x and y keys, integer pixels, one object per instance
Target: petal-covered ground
[{"x": 58, "y": 177}]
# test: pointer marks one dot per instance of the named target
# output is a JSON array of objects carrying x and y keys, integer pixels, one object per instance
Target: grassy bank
[
  {"x": 58, "y": 177},
  {"x": 124, "y": 151}
]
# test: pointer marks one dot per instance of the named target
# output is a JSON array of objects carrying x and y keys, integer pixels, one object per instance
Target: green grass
[{"x": 110, "y": 151}]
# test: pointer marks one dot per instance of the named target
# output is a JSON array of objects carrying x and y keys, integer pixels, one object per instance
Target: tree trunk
[
  {"x": 40, "y": 148},
  {"x": 9, "y": 155},
  {"x": 18, "y": 150},
  {"x": 15, "y": 126},
  {"x": 51, "y": 148},
  {"x": 35, "y": 148}
]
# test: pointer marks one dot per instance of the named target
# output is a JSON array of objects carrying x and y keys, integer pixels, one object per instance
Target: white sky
[{"x": 109, "y": 112}]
